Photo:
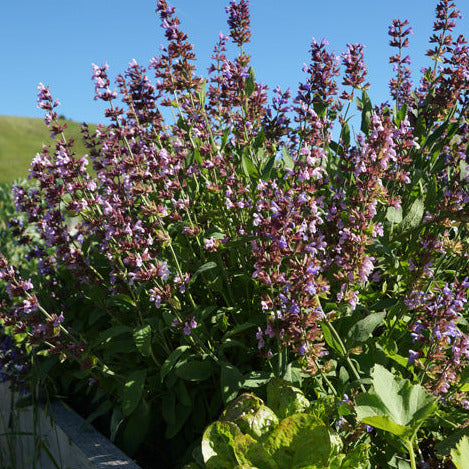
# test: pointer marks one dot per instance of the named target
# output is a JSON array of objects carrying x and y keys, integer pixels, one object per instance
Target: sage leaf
[
  {"x": 142, "y": 338},
  {"x": 133, "y": 390}
]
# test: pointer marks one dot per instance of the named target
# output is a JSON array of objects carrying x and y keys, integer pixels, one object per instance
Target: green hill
[{"x": 22, "y": 137}]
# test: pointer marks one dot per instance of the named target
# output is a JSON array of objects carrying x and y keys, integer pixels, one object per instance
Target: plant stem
[
  {"x": 410, "y": 447},
  {"x": 345, "y": 354}
]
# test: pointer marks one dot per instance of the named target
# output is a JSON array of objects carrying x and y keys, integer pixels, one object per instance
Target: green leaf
[
  {"x": 204, "y": 268},
  {"x": 366, "y": 112},
  {"x": 113, "y": 331},
  {"x": 173, "y": 358},
  {"x": 256, "y": 379},
  {"x": 394, "y": 215},
  {"x": 251, "y": 416},
  {"x": 284, "y": 399},
  {"x": 224, "y": 139},
  {"x": 217, "y": 445},
  {"x": 137, "y": 428},
  {"x": 297, "y": 441},
  {"x": 460, "y": 454},
  {"x": 117, "y": 419},
  {"x": 356, "y": 458},
  {"x": 201, "y": 93},
  {"x": 250, "y": 83},
  {"x": 260, "y": 139},
  {"x": 330, "y": 339},
  {"x": 248, "y": 166},
  {"x": 287, "y": 159},
  {"x": 195, "y": 370},
  {"x": 320, "y": 108},
  {"x": 102, "y": 409},
  {"x": 268, "y": 168},
  {"x": 230, "y": 381},
  {"x": 238, "y": 329},
  {"x": 181, "y": 415},
  {"x": 414, "y": 215},
  {"x": 250, "y": 453},
  {"x": 395, "y": 405},
  {"x": 168, "y": 408},
  {"x": 362, "y": 330},
  {"x": 346, "y": 134},
  {"x": 142, "y": 338},
  {"x": 293, "y": 374},
  {"x": 444, "y": 447},
  {"x": 133, "y": 390},
  {"x": 182, "y": 394}
]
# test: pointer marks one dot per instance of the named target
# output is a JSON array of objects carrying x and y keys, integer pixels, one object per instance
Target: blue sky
[{"x": 55, "y": 42}]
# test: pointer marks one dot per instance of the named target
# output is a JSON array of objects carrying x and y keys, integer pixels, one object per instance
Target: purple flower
[{"x": 412, "y": 356}]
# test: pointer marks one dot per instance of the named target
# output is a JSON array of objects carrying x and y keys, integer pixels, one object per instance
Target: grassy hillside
[{"x": 21, "y": 138}]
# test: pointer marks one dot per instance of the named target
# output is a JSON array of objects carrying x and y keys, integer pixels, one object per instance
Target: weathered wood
[{"x": 71, "y": 444}]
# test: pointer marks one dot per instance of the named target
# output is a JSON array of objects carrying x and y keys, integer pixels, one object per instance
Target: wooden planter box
[{"x": 51, "y": 438}]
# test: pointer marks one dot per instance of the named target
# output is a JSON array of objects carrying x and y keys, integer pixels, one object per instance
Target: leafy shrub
[{"x": 243, "y": 241}]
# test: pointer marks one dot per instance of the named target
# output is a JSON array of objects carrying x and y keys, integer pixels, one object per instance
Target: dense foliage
[{"x": 248, "y": 240}]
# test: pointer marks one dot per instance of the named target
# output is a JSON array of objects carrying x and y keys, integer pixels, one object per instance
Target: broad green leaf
[
  {"x": 460, "y": 454},
  {"x": 133, "y": 390},
  {"x": 248, "y": 166},
  {"x": 260, "y": 139},
  {"x": 395, "y": 405},
  {"x": 182, "y": 394},
  {"x": 284, "y": 399},
  {"x": 268, "y": 168},
  {"x": 287, "y": 159},
  {"x": 394, "y": 215},
  {"x": 256, "y": 379},
  {"x": 230, "y": 381},
  {"x": 173, "y": 358},
  {"x": 182, "y": 413},
  {"x": 195, "y": 370},
  {"x": 251, "y": 453},
  {"x": 414, "y": 215},
  {"x": 293, "y": 374},
  {"x": 168, "y": 407},
  {"x": 250, "y": 414},
  {"x": 217, "y": 445},
  {"x": 298, "y": 441},
  {"x": 142, "y": 338},
  {"x": 362, "y": 330},
  {"x": 137, "y": 427}
]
